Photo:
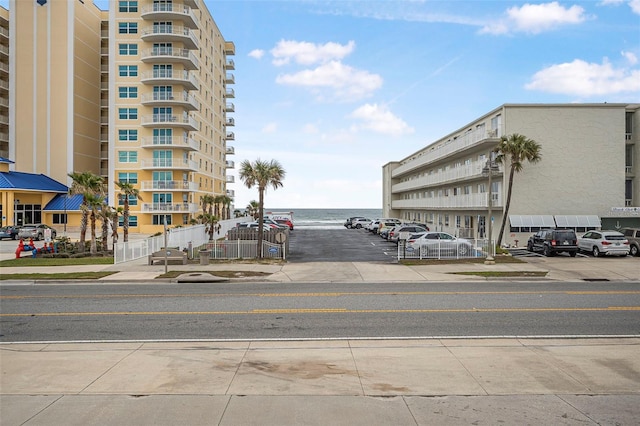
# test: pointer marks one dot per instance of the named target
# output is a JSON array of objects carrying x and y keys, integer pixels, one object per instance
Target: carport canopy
[
  {"x": 529, "y": 221},
  {"x": 578, "y": 221}
]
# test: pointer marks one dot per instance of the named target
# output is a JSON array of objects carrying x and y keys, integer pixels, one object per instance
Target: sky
[{"x": 333, "y": 90}]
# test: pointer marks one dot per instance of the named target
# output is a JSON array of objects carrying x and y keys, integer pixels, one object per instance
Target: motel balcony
[
  {"x": 169, "y": 207},
  {"x": 187, "y": 79},
  {"x": 169, "y": 185},
  {"x": 180, "y": 142},
  {"x": 461, "y": 174},
  {"x": 463, "y": 202},
  {"x": 164, "y": 12}
]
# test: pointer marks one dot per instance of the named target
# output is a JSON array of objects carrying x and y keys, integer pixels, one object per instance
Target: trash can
[{"x": 204, "y": 257}]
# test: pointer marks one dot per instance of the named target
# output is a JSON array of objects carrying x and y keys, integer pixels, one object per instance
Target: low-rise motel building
[
  {"x": 140, "y": 93},
  {"x": 587, "y": 178}
]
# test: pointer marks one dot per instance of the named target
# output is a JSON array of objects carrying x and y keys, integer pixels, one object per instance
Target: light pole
[
  {"x": 66, "y": 196},
  {"x": 488, "y": 170},
  {"x": 15, "y": 211}
]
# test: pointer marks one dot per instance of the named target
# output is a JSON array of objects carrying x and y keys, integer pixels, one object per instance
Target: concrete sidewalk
[{"x": 355, "y": 382}]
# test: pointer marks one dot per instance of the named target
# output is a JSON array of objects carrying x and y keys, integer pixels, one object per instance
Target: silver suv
[{"x": 633, "y": 235}]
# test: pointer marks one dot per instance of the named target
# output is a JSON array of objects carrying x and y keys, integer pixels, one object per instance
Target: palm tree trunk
[
  {"x": 93, "y": 233},
  {"x": 105, "y": 232},
  {"x": 125, "y": 220},
  {"x": 260, "y": 220},
  {"x": 505, "y": 216},
  {"x": 83, "y": 229}
]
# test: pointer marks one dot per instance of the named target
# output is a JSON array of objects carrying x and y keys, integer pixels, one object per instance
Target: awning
[
  {"x": 578, "y": 221},
  {"x": 528, "y": 221}
]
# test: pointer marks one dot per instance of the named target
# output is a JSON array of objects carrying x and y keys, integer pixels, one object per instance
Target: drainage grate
[{"x": 595, "y": 279}]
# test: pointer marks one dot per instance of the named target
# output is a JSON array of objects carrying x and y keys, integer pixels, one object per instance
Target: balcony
[
  {"x": 231, "y": 193},
  {"x": 230, "y": 179},
  {"x": 230, "y": 136},
  {"x": 229, "y": 65},
  {"x": 169, "y": 120},
  {"x": 472, "y": 171},
  {"x": 230, "y": 122},
  {"x": 229, "y": 93},
  {"x": 194, "y": 4},
  {"x": 169, "y": 164},
  {"x": 4, "y": 51},
  {"x": 169, "y": 185},
  {"x": 229, "y": 48},
  {"x": 171, "y": 34},
  {"x": 185, "y": 57},
  {"x": 229, "y": 165},
  {"x": 230, "y": 150},
  {"x": 230, "y": 107},
  {"x": 169, "y": 207},
  {"x": 469, "y": 201},
  {"x": 184, "y": 100},
  {"x": 229, "y": 78},
  {"x": 170, "y": 12},
  {"x": 178, "y": 142},
  {"x": 170, "y": 77},
  {"x": 441, "y": 150}
]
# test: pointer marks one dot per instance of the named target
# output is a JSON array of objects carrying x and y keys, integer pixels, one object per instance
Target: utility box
[{"x": 204, "y": 257}]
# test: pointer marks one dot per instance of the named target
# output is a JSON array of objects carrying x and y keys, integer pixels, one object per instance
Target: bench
[{"x": 170, "y": 254}]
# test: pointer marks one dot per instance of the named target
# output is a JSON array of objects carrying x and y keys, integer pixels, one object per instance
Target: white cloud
[
  {"x": 536, "y": 18},
  {"x": 256, "y": 53},
  {"x": 633, "y": 4},
  {"x": 270, "y": 128},
  {"x": 306, "y": 53},
  {"x": 630, "y": 57},
  {"x": 310, "y": 128},
  {"x": 585, "y": 79},
  {"x": 379, "y": 119},
  {"x": 348, "y": 83}
]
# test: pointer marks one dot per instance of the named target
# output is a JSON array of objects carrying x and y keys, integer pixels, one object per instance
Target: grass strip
[
  {"x": 57, "y": 276},
  {"x": 494, "y": 274},
  {"x": 56, "y": 261}
]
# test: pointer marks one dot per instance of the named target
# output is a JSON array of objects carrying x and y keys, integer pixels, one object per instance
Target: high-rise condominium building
[
  {"x": 140, "y": 93},
  {"x": 587, "y": 177}
]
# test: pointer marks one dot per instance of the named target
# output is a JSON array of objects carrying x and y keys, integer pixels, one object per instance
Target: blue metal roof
[
  {"x": 30, "y": 182},
  {"x": 6, "y": 160},
  {"x": 58, "y": 203}
]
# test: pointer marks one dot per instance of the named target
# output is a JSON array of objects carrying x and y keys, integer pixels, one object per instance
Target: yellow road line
[{"x": 324, "y": 310}]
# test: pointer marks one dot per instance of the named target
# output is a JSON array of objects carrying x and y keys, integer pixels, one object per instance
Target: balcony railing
[
  {"x": 440, "y": 150},
  {"x": 230, "y": 107},
  {"x": 229, "y": 164},
  {"x": 230, "y": 150},
  {"x": 230, "y": 121},
  {"x": 230, "y": 179},
  {"x": 169, "y": 207},
  {"x": 180, "y": 142},
  {"x": 230, "y": 136},
  {"x": 159, "y": 77},
  {"x": 230, "y": 78},
  {"x": 170, "y": 11},
  {"x": 456, "y": 174},
  {"x": 469, "y": 201},
  {"x": 173, "y": 55},
  {"x": 229, "y": 48},
  {"x": 230, "y": 65},
  {"x": 170, "y": 163},
  {"x": 183, "y": 99},
  {"x": 231, "y": 193},
  {"x": 169, "y": 185},
  {"x": 170, "y": 120},
  {"x": 170, "y": 33},
  {"x": 229, "y": 93}
]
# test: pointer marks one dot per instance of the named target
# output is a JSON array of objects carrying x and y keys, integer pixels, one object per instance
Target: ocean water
[{"x": 325, "y": 218}]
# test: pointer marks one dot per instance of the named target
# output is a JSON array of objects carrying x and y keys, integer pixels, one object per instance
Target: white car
[
  {"x": 604, "y": 243},
  {"x": 438, "y": 244},
  {"x": 360, "y": 222}
]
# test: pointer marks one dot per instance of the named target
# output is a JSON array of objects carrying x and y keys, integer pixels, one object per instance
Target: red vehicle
[{"x": 286, "y": 222}]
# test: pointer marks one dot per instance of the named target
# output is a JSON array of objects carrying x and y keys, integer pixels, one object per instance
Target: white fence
[
  {"x": 444, "y": 249},
  {"x": 187, "y": 237},
  {"x": 244, "y": 249}
]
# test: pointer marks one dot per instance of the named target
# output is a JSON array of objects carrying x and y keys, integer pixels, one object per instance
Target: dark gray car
[{"x": 553, "y": 241}]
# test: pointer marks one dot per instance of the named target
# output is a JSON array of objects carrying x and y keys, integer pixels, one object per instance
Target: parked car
[
  {"x": 348, "y": 223},
  {"x": 360, "y": 222},
  {"x": 372, "y": 225},
  {"x": 272, "y": 223},
  {"x": 253, "y": 225},
  {"x": 385, "y": 226},
  {"x": 9, "y": 232},
  {"x": 286, "y": 222},
  {"x": 604, "y": 243},
  {"x": 35, "y": 231},
  {"x": 633, "y": 235},
  {"x": 394, "y": 233},
  {"x": 436, "y": 244},
  {"x": 553, "y": 241}
]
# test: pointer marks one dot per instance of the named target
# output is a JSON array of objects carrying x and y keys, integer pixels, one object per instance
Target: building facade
[
  {"x": 141, "y": 93},
  {"x": 587, "y": 176}
]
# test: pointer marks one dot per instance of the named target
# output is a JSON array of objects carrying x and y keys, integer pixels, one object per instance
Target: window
[
  {"x": 157, "y": 219},
  {"x": 467, "y": 189},
  {"x": 128, "y": 28},
  {"x": 446, "y": 220},
  {"x": 133, "y": 200},
  {"x": 128, "y": 156},
  {"x": 128, "y": 92},
  {"x": 162, "y": 136},
  {"x": 457, "y": 221},
  {"x": 128, "y": 49},
  {"x": 133, "y": 221},
  {"x": 127, "y": 135},
  {"x": 128, "y": 6},
  {"x": 59, "y": 218},
  {"x": 128, "y": 70},
  {"x": 128, "y": 113},
  {"x": 128, "y": 178}
]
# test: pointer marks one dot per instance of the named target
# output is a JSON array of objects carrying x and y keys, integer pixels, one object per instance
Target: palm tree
[
  {"x": 94, "y": 203},
  {"x": 217, "y": 201},
  {"x": 252, "y": 209},
  {"x": 226, "y": 206},
  {"x": 106, "y": 214},
  {"x": 126, "y": 191},
  {"x": 207, "y": 203},
  {"x": 210, "y": 221},
  {"x": 513, "y": 150},
  {"x": 85, "y": 184},
  {"x": 261, "y": 174}
]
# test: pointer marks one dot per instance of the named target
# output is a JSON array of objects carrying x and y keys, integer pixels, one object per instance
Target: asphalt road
[{"x": 281, "y": 311}]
